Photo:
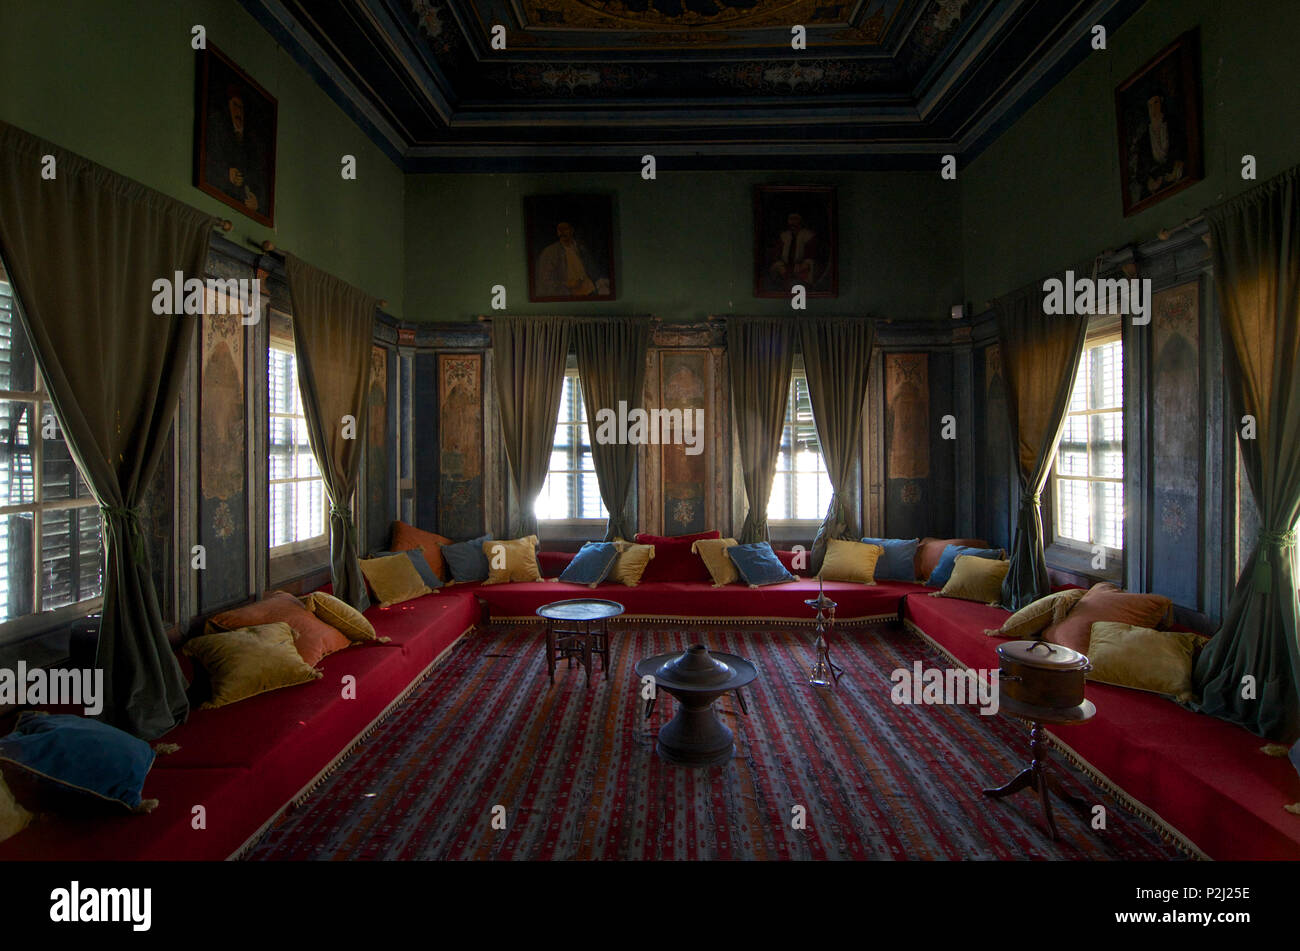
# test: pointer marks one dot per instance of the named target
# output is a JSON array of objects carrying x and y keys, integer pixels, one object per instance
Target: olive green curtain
[
  {"x": 333, "y": 333},
  {"x": 83, "y": 250},
  {"x": 836, "y": 358},
  {"x": 1256, "y": 240},
  {"x": 1040, "y": 358},
  {"x": 611, "y": 366},
  {"x": 760, "y": 352},
  {"x": 528, "y": 357}
]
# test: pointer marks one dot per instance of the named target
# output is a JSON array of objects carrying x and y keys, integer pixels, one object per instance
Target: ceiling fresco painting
[{"x": 709, "y": 23}]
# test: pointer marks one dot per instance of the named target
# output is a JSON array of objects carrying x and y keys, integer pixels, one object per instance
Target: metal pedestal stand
[{"x": 825, "y": 672}]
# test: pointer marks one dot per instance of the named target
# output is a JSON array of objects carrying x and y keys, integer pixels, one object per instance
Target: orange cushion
[
  {"x": 930, "y": 551},
  {"x": 408, "y": 538},
  {"x": 1106, "y": 602},
  {"x": 312, "y": 637}
]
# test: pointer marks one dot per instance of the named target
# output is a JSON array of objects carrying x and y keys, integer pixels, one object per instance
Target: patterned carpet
[{"x": 576, "y": 771}]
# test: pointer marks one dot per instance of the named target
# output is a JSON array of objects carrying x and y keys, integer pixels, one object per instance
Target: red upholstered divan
[
  {"x": 1203, "y": 776},
  {"x": 245, "y": 762},
  {"x": 696, "y": 600}
]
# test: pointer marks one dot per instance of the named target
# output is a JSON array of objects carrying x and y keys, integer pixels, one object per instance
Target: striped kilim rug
[{"x": 576, "y": 776}]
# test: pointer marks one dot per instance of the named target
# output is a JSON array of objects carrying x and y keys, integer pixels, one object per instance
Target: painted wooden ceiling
[{"x": 700, "y": 83}]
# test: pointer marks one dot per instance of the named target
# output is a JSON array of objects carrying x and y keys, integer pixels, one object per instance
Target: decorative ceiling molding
[{"x": 703, "y": 83}]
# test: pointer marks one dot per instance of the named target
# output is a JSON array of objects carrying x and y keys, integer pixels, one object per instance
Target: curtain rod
[
  {"x": 268, "y": 247},
  {"x": 1164, "y": 233}
]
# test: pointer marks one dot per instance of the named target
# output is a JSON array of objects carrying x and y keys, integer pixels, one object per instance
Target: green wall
[
  {"x": 1046, "y": 194},
  {"x": 684, "y": 246},
  {"x": 115, "y": 82}
]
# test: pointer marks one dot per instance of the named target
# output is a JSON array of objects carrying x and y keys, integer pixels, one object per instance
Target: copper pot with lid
[{"x": 1038, "y": 676}]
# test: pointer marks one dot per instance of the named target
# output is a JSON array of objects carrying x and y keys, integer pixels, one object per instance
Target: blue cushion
[
  {"x": 948, "y": 560},
  {"x": 591, "y": 564},
  {"x": 79, "y": 755},
  {"x": 466, "y": 560},
  {"x": 758, "y": 564},
  {"x": 898, "y": 563},
  {"x": 421, "y": 565}
]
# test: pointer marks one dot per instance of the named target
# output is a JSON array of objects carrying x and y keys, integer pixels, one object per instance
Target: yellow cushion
[
  {"x": 513, "y": 560},
  {"x": 249, "y": 661},
  {"x": 713, "y": 552},
  {"x": 1143, "y": 658},
  {"x": 341, "y": 616},
  {"x": 13, "y": 817},
  {"x": 850, "y": 561},
  {"x": 394, "y": 579},
  {"x": 631, "y": 562},
  {"x": 976, "y": 579},
  {"x": 1037, "y": 616}
]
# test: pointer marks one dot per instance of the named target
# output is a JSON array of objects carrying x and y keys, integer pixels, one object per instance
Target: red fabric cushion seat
[
  {"x": 552, "y": 563},
  {"x": 674, "y": 560},
  {"x": 682, "y": 599},
  {"x": 1204, "y": 776},
  {"x": 244, "y": 762},
  {"x": 166, "y": 833}
]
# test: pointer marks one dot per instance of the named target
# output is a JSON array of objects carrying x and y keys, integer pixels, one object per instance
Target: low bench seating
[
  {"x": 246, "y": 762},
  {"x": 1201, "y": 780},
  {"x": 700, "y": 601}
]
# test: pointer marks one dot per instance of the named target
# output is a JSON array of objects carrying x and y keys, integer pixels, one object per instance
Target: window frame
[
  {"x": 1106, "y": 330},
  {"x": 796, "y": 369},
  {"x": 574, "y": 452},
  {"x": 38, "y": 398},
  {"x": 280, "y": 554}
]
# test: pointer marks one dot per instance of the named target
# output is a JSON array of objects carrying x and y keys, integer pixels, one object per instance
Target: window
[
  {"x": 571, "y": 491},
  {"x": 802, "y": 489},
  {"x": 51, "y": 548},
  {"x": 1089, "y": 471},
  {"x": 298, "y": 510}
]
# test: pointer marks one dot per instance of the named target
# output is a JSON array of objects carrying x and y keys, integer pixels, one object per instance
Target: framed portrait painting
[
  {"x": 234, "y": 154},
  {"x": 1159, "y": 113},
  {"x": 570, "y": 247},
  {"x": 794, "y": 240}
]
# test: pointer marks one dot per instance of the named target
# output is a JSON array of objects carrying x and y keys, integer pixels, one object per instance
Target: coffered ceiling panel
[{"x": 701, "y": 83}]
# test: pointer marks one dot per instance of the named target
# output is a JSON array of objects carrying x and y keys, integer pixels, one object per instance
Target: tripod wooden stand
[{"x": 1036, "y": 775}]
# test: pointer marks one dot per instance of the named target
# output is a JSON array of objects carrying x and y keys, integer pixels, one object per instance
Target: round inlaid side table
[{"x": 576, "y": 629}]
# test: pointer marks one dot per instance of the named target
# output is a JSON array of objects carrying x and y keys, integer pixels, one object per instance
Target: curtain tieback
[
  {"x": 344, "y": 514},
  {"x": 1281, "y": 539},
  {"x": 1031, "y": 498},
  {"x": 1263, "y": 566},
  {"x": 131, "y": 519}
]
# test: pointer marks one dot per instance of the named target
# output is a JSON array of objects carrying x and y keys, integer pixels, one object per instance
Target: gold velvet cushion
[
  {"x": 13, "y": 817},
  {"x": 976, "y": 579},
  {"x": 1035, "y": 617},
  {"x": 631, "y": 563},
  {"x": 252, "y": 660},
  {"x": 713, "y": 552},
  {"x": 850, "y": 561},
  {"x": 1143, "y": 658},
  {"x": 513, "y": 560},
  {"x": 393, "y": 579},
  {"x": 313, "y": 637},
  {"x": 341, "y": 616}
]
